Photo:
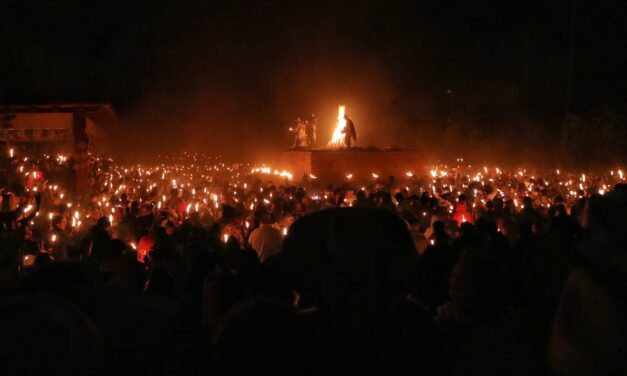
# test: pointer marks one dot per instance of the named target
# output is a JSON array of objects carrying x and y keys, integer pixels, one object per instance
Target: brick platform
[{"x": 333, "y": 165}]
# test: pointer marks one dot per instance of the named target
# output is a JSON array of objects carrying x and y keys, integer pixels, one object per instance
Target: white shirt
[{"x": 266, "y": 241}]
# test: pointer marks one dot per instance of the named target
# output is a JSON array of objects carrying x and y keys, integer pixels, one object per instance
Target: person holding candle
[
  {"x": 61, "y": 238},
  {"x": 100, "y": 238}
]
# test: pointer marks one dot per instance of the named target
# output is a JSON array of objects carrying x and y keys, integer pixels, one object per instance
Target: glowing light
[
  {"x": 29, "y": 260},
  {"x": 337, "y": 139},
  {"x": 267, "y": 170}
]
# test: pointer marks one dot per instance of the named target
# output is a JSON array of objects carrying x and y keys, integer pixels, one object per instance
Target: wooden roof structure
[{"x": 100, "y": 113}]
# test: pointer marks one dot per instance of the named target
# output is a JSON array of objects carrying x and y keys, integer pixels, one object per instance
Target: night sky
[{"x": 212, "y": 70}]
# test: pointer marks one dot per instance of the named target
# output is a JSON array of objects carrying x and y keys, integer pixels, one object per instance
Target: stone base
[{"x": 332, "y": 165}]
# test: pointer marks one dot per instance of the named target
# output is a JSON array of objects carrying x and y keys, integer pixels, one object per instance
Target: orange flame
[{"x": 337, "y": 140}]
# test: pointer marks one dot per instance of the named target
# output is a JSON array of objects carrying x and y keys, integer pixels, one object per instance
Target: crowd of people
[{"x": 196, "y": 266}]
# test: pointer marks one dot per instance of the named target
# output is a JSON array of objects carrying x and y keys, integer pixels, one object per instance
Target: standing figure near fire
[
  {"x": 349, "y": 132},
  {"x": 300, "y": 134},
  {"x": 312, "y": 126}
]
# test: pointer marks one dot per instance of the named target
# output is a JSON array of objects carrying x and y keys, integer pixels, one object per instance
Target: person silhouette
[{"x": 350, "y": 134}]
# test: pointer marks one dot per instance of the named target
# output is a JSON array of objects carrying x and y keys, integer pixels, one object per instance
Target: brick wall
[{"x": 334, "y": 165}]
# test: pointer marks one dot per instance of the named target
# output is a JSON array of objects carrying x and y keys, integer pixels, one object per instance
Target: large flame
[{"x": 338, "y": 136}]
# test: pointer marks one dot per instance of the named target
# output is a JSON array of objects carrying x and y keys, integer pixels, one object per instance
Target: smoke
[
  {"x": 237, "y": 94},
  {"x": 230, "y": 77},
  {"x": 234, "y": 80}
]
